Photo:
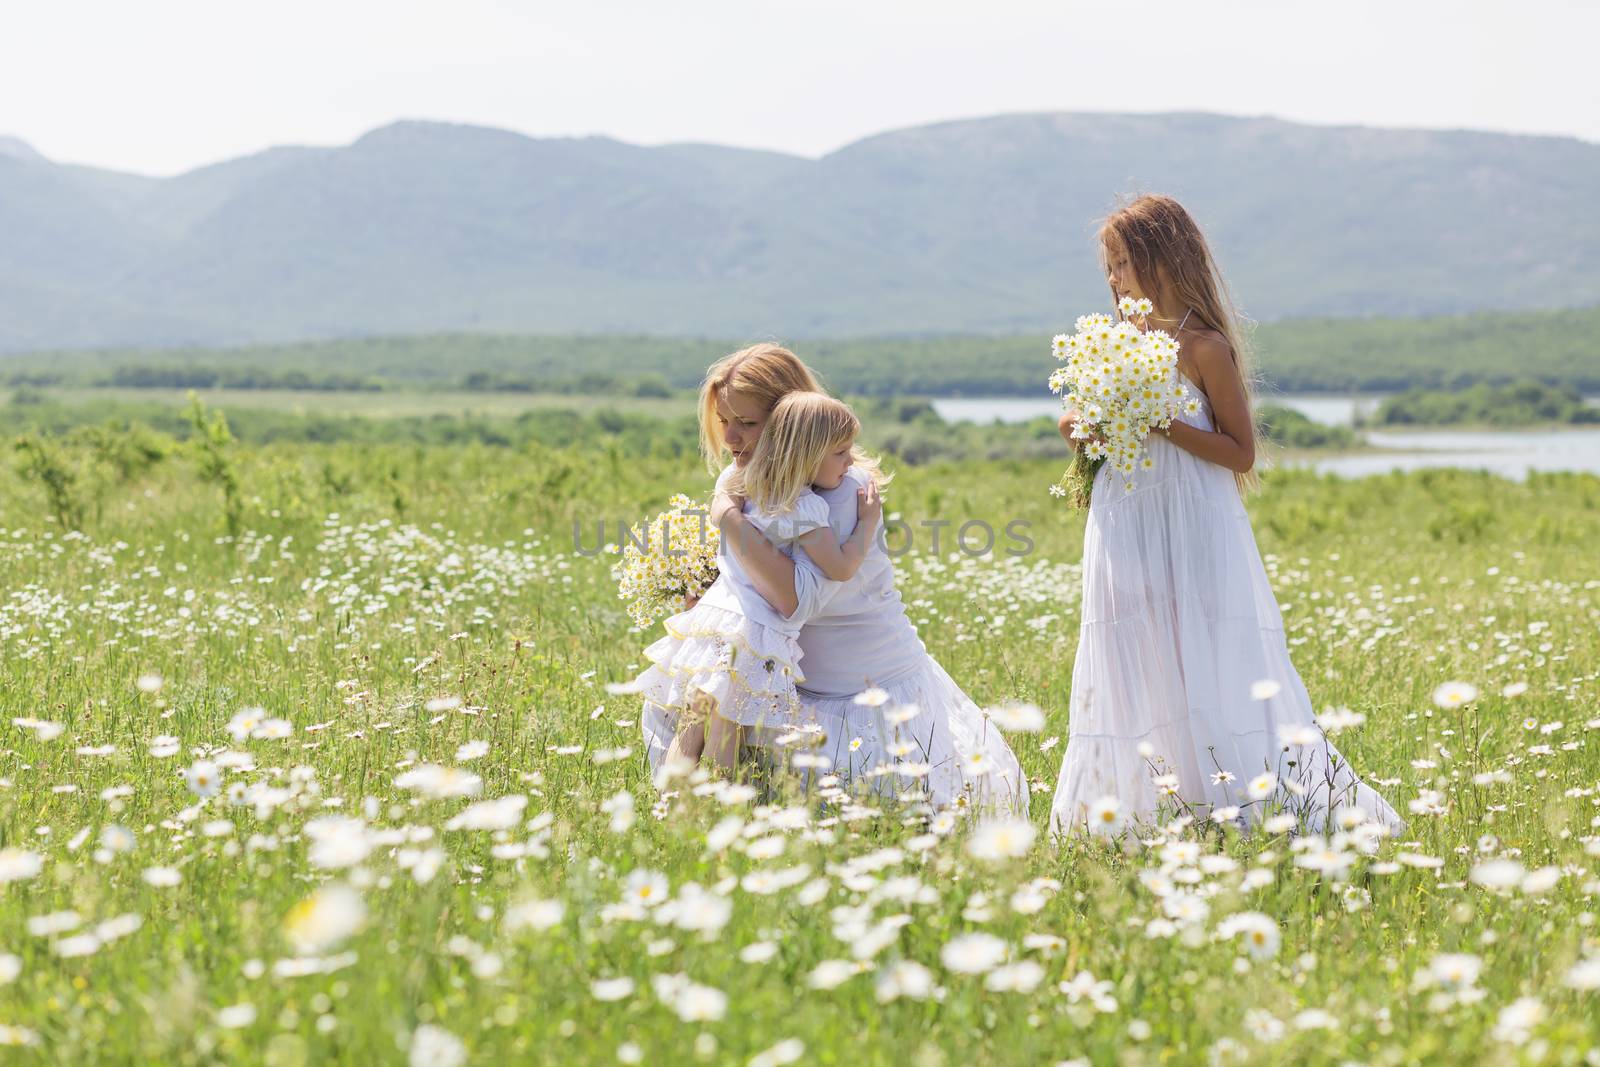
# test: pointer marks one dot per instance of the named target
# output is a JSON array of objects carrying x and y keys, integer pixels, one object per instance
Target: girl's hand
[
  {"x": 869, "y": 504},
  {"x": 724, "y": 503},
  {"x": 689, "y": 601}
]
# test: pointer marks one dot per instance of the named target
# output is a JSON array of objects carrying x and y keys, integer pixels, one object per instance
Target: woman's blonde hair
[
  {"x": 1169, "y": 255},
  {"x": 803, "y": 429},
  {"x": 764, "y": 373}
]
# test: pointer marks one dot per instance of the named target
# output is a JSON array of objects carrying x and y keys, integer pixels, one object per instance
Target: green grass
[{"x": 363, "y": 582}]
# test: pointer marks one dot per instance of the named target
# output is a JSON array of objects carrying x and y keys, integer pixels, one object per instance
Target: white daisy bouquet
[
  {"x": 672, "y": 556},
  {"x": 1124, "y": 382}
]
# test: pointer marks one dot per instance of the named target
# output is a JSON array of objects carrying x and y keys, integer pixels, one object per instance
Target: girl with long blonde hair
[{"x": 1184, "y": 698}]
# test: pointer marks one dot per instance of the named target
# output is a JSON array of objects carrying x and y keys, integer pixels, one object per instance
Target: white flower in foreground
[
  {"x": 973, "y": 953},
  {"x": 1001, "y": 839},
  {"x": 10, "y": 968},
  {"x": 203, "y": 778},
  {"x": 432, "y": 780},
  {"x": 1335, "y": 720},
  {"x": 1258, "y": 931},
  {"x": 162, "y": 877},
  {"x": 646, "y": 887},
  {"x": 1584, "y": 975},
  {"x": 1021, "y": 977},
  {"x": 1515, "y": 689},
  {"x": 17, "y": 1035},
  {"x": 165, "y": 746},
  {"x": 1454, "y": 694},
  {"x": 338, "y": 841},
  {"x": 872, "y": 698},
  {"x": 472, "y": 750},
  {"x": 830, "y": 974},
  {"x": 17, "y": 864},
  {"x": 236, "y": 1016},
  {"x": 533, "y": 915},
  {"x": 1265, "y": 689},
  {"x": 1017, "y": 717},
  {"x": 1517, "y": 1020},
  {"x": 324, "y": 919},
  {"x": 610, "y": 989},
  {"x": 434, "y": 1046},
  {"x": 1455, "y": 970},
  {"x": 1106, "y": 816},
  {"x": 784, "y": 1052},
  {"x": 1086, "y": 987},
  {"x": 697, "y": 909},
  {"x": 148, "y": 683},
  {"x": 1316, "y": 1019},
  {"x": 502, "y": 813},
  {"x": 904, "y": 978},
  {"x": 1262, "y": 786},
  {"x": 1498, "y": 874}
]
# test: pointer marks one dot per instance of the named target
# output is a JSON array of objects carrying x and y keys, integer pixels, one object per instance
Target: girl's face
[
  {"x": 830, "y": 475},
  {"x": 1119, "y": 272},
  {"x": 741, "y": 420}
]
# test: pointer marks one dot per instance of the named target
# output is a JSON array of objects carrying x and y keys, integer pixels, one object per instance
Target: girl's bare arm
[
  {"x": 841, "y": 561},
  {"x": 1232, "y": 445}
]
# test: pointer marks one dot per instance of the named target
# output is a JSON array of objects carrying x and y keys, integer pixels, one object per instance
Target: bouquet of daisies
[
  {"x": 1124, "y": 382},
  {"x": 672, "y": 556}
]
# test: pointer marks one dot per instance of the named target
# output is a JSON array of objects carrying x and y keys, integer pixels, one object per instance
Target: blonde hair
[
  {"x": 804, "y": 428},
  {"x": 765, "y": 373},
  {"x": 1169, "y": 255}
]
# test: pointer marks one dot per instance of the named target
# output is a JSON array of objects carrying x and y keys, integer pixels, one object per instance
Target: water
[{"x": 1511, "y": 453}]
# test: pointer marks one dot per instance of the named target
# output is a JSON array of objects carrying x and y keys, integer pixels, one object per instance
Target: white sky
[{"x": 160, "y": 86}]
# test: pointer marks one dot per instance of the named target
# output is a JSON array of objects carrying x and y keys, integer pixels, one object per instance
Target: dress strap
[{"x": 1186, "y": 315}]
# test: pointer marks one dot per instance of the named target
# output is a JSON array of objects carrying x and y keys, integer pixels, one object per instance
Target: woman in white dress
[
  {"x": 1183, "y": 693},
  {"x": 865, "y": 668}
]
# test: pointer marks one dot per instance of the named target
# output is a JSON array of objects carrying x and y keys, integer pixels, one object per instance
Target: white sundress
[
  {"x": 1179, "y": 623},
  {"x": 732, "y": 647}
]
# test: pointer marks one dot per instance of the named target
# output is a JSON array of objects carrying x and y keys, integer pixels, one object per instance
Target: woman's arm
[
  {"x": 1233, "y": 445},
  {"x": 771, "y": 572},
  {"x": 841, "y": 561}
]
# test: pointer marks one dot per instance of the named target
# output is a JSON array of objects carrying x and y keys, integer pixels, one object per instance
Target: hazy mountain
[{"x": 975, "y": 226}]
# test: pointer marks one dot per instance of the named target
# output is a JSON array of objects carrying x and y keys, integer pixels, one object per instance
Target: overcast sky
[{"x": 160, "y": 86}]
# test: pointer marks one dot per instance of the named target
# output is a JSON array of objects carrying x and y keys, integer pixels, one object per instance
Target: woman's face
[{"x": 741, "y": 420}]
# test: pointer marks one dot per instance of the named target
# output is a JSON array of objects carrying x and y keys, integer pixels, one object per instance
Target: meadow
[{"x": 311, "y": 759}]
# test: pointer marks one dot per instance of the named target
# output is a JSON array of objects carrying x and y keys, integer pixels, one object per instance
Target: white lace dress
[
  {"x": 732, "y": 648},
  {"x": 1179, "y": 624}
]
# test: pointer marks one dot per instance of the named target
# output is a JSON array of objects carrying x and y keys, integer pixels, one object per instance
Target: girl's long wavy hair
[
  {"x": 1170, "y": 256},
  {"x": 764, "y": 373},
  {"x": 804, "y": 428}
]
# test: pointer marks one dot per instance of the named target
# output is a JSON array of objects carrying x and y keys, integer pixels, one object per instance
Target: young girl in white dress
[
  {"x": 724, "y": 676},
  {"x": 1183, "y": 693}
]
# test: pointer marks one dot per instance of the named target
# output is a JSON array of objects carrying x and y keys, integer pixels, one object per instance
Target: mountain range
[{"x": 981, "y": 226}]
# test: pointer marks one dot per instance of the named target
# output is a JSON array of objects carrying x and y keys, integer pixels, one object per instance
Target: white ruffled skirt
[{"x": 715, "y": 659}]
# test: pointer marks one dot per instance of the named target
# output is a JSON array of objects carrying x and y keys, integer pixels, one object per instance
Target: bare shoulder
[{"x": 1210, "y": 353}]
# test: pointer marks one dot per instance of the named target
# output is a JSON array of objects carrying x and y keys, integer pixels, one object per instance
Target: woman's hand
[
  {"x": 689, "y": 601},
  {"x": 869, "y": 504}
]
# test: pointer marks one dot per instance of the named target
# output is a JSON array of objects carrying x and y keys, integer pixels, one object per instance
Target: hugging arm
[
  {"x": 772, "y": 572},
  {"x": 841, "y": 561}
]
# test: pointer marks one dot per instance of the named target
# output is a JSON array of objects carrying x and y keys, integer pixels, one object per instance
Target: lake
[{"x": 1512, "y": 453}]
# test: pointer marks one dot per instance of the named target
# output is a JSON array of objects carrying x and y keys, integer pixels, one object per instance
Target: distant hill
[{"x": 977, "y": 227}]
